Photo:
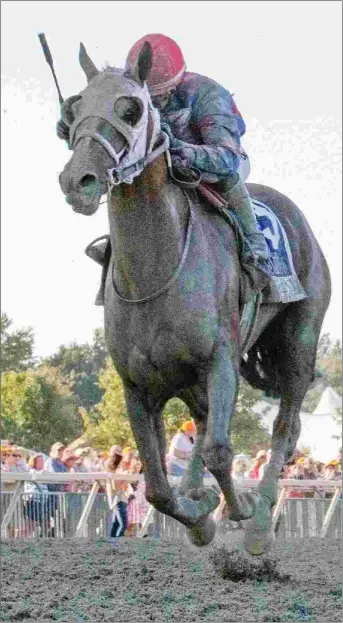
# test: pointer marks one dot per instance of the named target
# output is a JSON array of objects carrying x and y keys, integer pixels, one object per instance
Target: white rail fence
[{"x": 89, "y": 514}]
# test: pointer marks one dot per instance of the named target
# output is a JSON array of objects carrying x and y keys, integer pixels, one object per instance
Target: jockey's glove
[
  {"x": 173, "y": 142},
  {"x": 177, "y": 162},
  {"x": 166, "y": 128},
  {"x": 62, "y": 130}
]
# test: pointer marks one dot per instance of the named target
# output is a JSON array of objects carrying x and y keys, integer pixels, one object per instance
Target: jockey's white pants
[{"x": 244, "y": 167}]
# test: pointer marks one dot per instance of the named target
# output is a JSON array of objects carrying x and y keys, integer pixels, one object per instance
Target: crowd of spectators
[{"x": 127, "y": 500}]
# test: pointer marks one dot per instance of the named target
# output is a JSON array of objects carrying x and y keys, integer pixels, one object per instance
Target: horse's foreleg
[
  {"x": 192, "y": 487},
  {"x": 143, "y": 425},
  {"x": 196, "y": 399},
  {"x": 161, "y": 439},
  {"x": 158, "y": 491},
  {"x": 217, "y": 450},
  {"x": 193, "y": 477}
]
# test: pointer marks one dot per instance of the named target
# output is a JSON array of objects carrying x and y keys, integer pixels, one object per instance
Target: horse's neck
[{"x": 147, "y": 229}]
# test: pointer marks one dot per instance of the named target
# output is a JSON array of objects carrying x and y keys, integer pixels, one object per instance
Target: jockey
[{"x": 204, "y": 128}]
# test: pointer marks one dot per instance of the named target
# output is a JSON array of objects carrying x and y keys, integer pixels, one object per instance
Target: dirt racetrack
[{"x": 153, "y": 580}]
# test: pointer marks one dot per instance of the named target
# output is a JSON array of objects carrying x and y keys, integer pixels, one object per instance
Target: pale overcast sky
[{"x": 282, "y": 60}]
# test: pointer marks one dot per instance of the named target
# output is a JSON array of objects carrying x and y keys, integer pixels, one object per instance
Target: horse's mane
[{"x": 107, "y": 68}]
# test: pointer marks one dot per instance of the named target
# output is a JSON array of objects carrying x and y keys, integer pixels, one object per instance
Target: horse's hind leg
[{"x": 297, "y": 333}]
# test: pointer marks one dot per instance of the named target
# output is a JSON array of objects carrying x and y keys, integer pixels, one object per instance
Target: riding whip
[{"x": 49, "y": 60}]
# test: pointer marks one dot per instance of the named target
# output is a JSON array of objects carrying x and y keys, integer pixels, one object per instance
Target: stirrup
[{"x": 97, "y": 253}]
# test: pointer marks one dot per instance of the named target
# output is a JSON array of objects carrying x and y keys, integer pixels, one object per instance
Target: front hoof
[
  {"x": 259, "y": 535},
  {"x": 203, "y": 533},
  {"x": 258, "y": 542}
]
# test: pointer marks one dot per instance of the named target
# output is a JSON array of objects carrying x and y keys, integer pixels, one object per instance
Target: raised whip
[{"x": 49, "y": 60}]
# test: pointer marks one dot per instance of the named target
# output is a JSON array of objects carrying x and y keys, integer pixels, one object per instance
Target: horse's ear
[
  {"x": 141, "y": 70},
  {"x": 87, "y": 64}
]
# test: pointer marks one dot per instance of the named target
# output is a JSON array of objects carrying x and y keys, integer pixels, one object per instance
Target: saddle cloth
[{"x": 285, "y": 286}]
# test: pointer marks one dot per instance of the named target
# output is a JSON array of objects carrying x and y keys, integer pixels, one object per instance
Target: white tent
[
  {"x": 329, "y": 402},
  {"x": 269, "y": 412},
  {"x": 320, "y": 431}
]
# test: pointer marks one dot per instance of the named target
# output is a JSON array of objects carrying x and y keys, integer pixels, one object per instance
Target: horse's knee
[{"x": 218, "y": 458}]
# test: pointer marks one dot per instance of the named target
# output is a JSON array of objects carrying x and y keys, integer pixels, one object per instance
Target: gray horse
[{"x": 172, "y": 303}]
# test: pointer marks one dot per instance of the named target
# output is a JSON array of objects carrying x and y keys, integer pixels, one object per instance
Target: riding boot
[
  {"x": 256, "y": 250},
  {"x": 100, "y": 253}
]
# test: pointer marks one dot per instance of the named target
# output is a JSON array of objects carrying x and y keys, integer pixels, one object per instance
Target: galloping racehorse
[{"x": 172, "y": 302}]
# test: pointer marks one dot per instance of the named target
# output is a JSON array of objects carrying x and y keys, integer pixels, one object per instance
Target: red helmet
[{"x": 168, "y": 65}]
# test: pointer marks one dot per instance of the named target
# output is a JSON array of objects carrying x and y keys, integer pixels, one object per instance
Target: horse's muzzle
[{"x": 84, "y": 194}]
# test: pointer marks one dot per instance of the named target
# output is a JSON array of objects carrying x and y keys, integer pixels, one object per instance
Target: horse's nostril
[{"x": 87, "y": 179}]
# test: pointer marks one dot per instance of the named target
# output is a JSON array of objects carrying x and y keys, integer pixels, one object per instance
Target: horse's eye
[
  {"x": 130, "y": 117},
  {"x": 128, "y": 110}
]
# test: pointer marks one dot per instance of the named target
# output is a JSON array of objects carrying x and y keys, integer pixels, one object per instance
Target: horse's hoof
[
  {"x": 257, "y": 542},
  {"x": 259, "y": 534},
  {"x": 203, "y": 533}
]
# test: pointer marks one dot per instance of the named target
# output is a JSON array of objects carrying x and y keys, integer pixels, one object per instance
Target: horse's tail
[{"x": 259, "y": 368}]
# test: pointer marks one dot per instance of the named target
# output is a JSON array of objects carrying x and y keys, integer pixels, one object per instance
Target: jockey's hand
[
  {"x": 62, "y": 130},
  {"x": 166, "y": 128},
  {"x": 178, "y": 163},
  {"x": 173, "y": 142},
  {"x": 183, "y": 170}
]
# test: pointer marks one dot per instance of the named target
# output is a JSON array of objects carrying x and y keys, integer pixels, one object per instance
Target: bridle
[
  {"x": 156, "y": 145},
  {"x": 122, "y": 173},
  {"x": 145, "y": 141}
]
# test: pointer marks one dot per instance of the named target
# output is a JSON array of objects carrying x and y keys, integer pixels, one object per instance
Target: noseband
[
  {"x": 125, "y": 174},
  {"x": 145, "y": 141},
  {"x": 121, "y": 173}
]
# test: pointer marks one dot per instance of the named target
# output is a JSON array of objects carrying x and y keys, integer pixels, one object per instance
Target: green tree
[
  {"x": 16, "y": 346},
  {"x": 38, "y": 409},
  {"x": 80, "y": 365},
  {"x": 328, "y": 371},
  {"x": 108, "y": 423},
  {"x": 248, "y": 433}
]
